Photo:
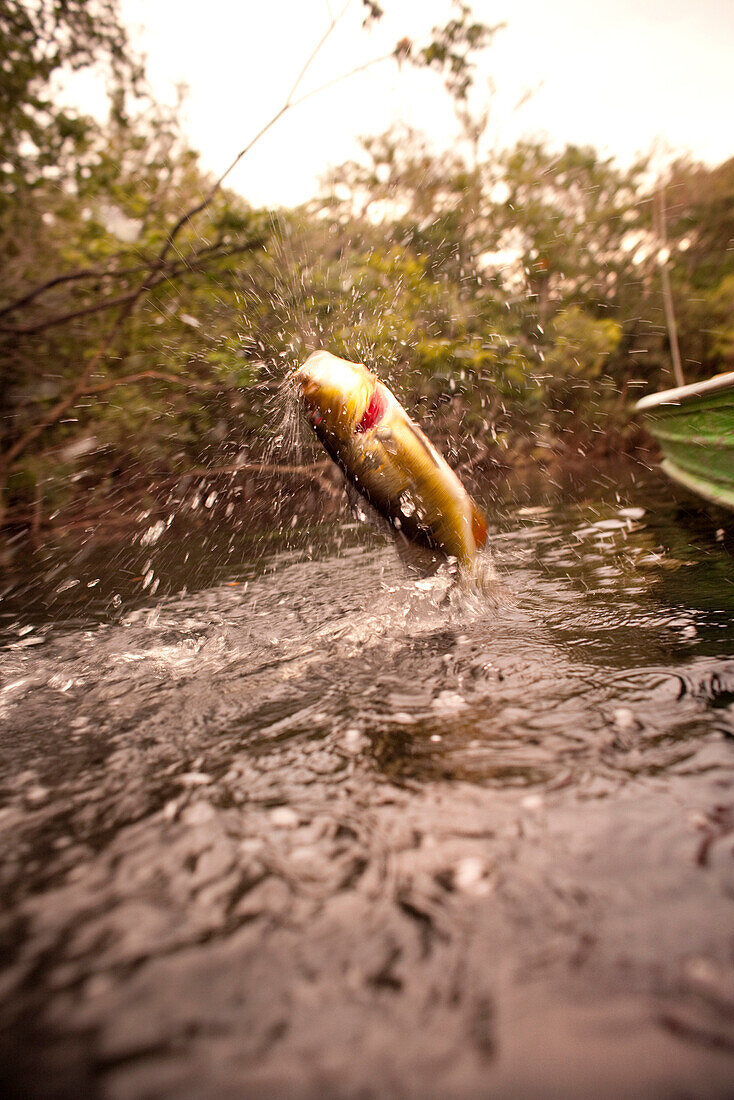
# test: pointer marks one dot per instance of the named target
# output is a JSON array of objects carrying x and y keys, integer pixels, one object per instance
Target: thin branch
[
  {"x": 57, "y": 411},
  {"x": 98, "y": 275},
  {"x": 311, "y": 469},
  {"x": 191, "y": 263},
  {"x": 289, "y": 104},
  {"x": 74, "y": 276},
  {"x": 73, "y": 315},
  {"x": 344, "y": 76},
  {"x": 162, "y": 376},
  {"x": 314, "y": 471},
  {"x": 89, "y": 510},
  {"x": 317, "y": 49},
  {"x": 211, "y": 193}
]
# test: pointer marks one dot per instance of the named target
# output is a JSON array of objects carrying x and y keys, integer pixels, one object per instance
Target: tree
[
  {"x": 37, "y": 41},
  {"x": 85, "y": 316}
]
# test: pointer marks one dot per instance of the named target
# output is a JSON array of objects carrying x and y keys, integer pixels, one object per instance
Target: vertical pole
[{"x": 667, "y": 294}]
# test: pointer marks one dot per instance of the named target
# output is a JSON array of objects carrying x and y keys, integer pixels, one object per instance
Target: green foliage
[
  {"x": 513, "y": 301},
  {"x": 180, "y": 347},
  {"x": 451, "y": 49},
  {"x": 721, "y": 304},
  {"x": 37, "y": 41},
  {"x": 581, "y": 345},
  {"x": 700, "y": 218}
]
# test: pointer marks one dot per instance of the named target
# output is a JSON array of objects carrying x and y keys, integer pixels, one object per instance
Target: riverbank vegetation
[{"x": 149, "y": 317}]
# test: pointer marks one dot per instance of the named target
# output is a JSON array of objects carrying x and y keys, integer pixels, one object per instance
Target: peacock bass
[{"x": 387, "y": 457}]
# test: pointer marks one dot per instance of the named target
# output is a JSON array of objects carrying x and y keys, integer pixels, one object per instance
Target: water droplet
[
  {"x": 283, "y": 817},
  {"x": 470, "y": 876},
  {"x": 624, "y": 718},
  {"x": 407, "y": 505},
  {"x": 632, "y": 513}
]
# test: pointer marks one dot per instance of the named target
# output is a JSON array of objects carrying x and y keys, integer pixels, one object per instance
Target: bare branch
[
  {"x": 72, "y": 315},
  {"x": 344, "y": 76},
  {"x": 173, "y": 270},
  {"x": 317, "y": 49},
  {"x": 287, "y": 106},
  {"x": 74, "y": 276},
  {"x": 311, "y": 469},
  {"x": 55, "y": 413},
  {"x": 100, "y": 275},
  {"x": 314, "y": 471},
  {"x": 161, "y": 376}
]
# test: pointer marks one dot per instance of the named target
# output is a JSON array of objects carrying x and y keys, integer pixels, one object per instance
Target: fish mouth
[
  {"x": 318, "y": 408},
  {"x": 345, "y": 397}
]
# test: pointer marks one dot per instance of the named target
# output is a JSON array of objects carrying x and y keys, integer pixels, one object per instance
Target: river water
[{"x": 282, "y": 819}]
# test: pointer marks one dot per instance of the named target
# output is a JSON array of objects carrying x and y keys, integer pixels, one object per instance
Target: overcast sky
[{"x": 619, "y": 74}]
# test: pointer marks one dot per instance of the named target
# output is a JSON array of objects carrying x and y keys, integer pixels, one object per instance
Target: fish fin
[
  {"x": 418, "y": 559},
  {"x": 424, "y": 441},
  {"x": 478, "y": 526},
  {"x": 362, "y": 509},
  {"x": 354, "y": 497}
]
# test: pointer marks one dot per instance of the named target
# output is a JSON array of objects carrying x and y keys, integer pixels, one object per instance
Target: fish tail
[{"x": 478, "y": 526}]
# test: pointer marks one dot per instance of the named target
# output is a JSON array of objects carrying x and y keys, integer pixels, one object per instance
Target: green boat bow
[{"x": 694, "y": 426}]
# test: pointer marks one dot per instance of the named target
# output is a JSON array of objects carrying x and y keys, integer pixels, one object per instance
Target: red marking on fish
[{"x": 374, "y": 411}]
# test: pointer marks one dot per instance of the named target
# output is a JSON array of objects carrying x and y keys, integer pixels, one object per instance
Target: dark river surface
[{"x": 281, "y": 819}]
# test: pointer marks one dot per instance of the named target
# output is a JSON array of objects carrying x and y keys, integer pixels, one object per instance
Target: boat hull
[{"x": 694, "y": 426}]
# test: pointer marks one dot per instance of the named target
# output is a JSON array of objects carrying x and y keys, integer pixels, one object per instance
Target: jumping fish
[{"x": 387, "y": 458}]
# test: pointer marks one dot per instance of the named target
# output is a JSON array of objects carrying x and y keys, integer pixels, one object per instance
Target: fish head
[{"x": 340, "y": 397}]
